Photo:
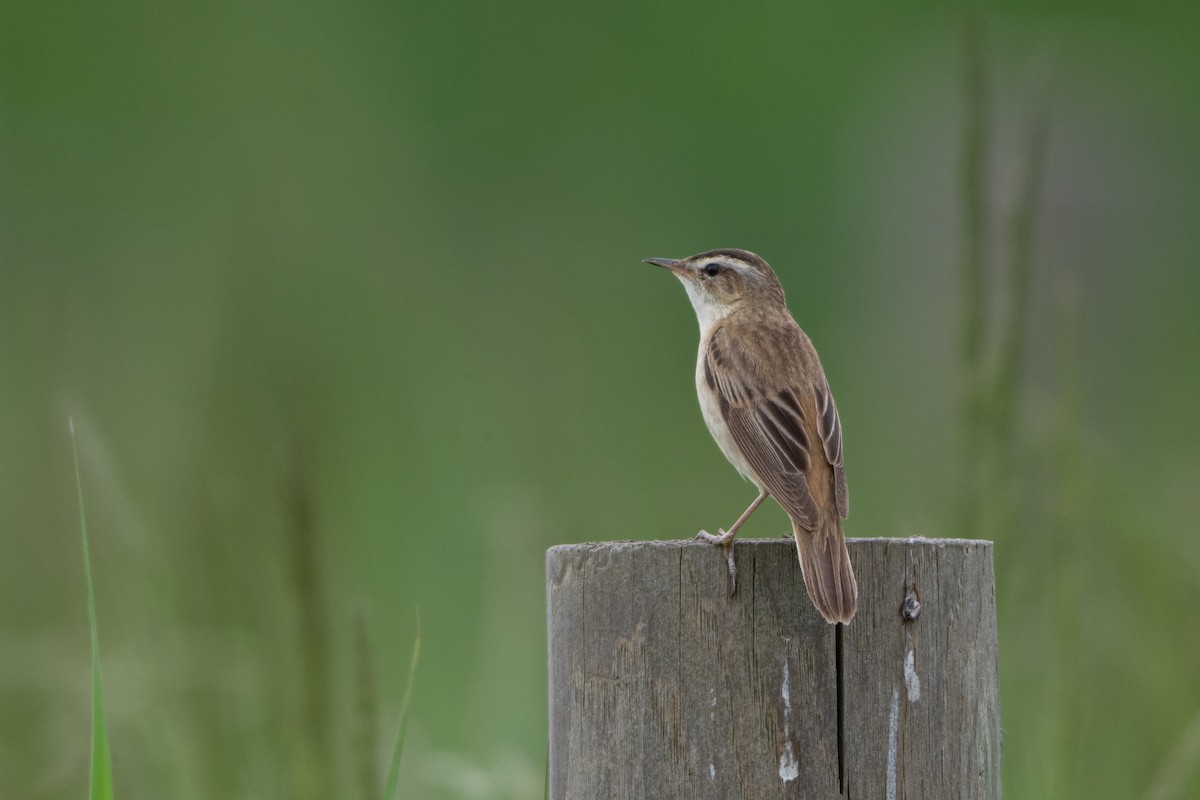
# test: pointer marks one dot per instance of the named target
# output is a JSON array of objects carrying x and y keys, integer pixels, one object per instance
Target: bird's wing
[
  {"x": 829, "y": 426},
  {"x": 768, "y": 425}
]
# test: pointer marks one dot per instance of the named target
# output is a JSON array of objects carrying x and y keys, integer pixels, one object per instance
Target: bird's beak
[{"x": 670, "y": 263}]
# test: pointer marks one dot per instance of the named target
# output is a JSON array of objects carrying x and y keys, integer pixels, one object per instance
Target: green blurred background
[{"x": 357, "y": 287}]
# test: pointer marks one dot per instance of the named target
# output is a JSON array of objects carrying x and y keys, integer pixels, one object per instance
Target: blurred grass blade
[
  {"x": 394, "y": 770},
  {"x": 367, "y": 744},
  {"x": 101, "y": 782},
  {"x": 316, "y": 773},
  {"x": 1180, "y": 762}
]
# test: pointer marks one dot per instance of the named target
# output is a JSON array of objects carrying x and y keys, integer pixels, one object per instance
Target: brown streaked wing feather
[
  {"x": 768, "y": 427},
  {"x": 830, "y": 428},
  {"x": 780, "y": 417}
]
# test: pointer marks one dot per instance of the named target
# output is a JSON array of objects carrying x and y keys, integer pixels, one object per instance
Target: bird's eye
[{"x": 712, "y": 268}]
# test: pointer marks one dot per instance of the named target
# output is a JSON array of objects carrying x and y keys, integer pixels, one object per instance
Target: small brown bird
[{"x": 766, "y": 402}]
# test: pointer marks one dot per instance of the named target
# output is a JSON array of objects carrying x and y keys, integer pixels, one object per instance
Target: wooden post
[{"x": 663, "y": 686}]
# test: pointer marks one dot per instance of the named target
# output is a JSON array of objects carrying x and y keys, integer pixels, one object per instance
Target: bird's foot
[{"x": 724, "y": 540}]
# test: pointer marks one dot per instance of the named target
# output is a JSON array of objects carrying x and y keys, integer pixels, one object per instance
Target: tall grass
[
  {"x": 393, "y": 781},
  {"x": 1084, "y": 623},
  {"x": 320, "y": 772},
  {"x": 366, "y": 711},
  {"x": 994, "y": 345},
  {"x": 315, "y": 773},
  {"x": 101, "y": 787},
  {"x": 315, "y": 768}
]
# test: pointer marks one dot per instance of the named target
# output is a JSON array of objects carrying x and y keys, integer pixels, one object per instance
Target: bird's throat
[{"x": 709, "y": 310}]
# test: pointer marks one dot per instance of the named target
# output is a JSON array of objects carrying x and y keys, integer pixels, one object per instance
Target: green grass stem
[
  {"x": 394, "y": 770},
  {"x": 974, "y": 263},
  {"x": 366, "y": 714},
  {"x": 1020, "y": 267},
  {"x": 101, "y": 770},
  {"x": 315, "y": 775}
]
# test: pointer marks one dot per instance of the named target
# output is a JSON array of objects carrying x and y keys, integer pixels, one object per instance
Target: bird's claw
[{"x": 723, "y": 540}]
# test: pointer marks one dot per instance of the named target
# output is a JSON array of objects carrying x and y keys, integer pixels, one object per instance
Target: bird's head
[{"x": 719, "y": 282}]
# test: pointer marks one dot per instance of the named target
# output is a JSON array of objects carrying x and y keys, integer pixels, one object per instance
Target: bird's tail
[{"x": 828, "y": 576}]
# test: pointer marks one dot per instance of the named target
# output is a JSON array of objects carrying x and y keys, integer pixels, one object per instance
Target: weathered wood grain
[{"x": 663, "y": 686}]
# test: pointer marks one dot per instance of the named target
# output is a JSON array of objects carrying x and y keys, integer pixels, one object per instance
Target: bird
[{"x": 765, "y": 399}]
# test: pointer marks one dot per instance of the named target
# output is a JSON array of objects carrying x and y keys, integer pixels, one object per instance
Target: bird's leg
[{"x": 725, "y": 538}]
